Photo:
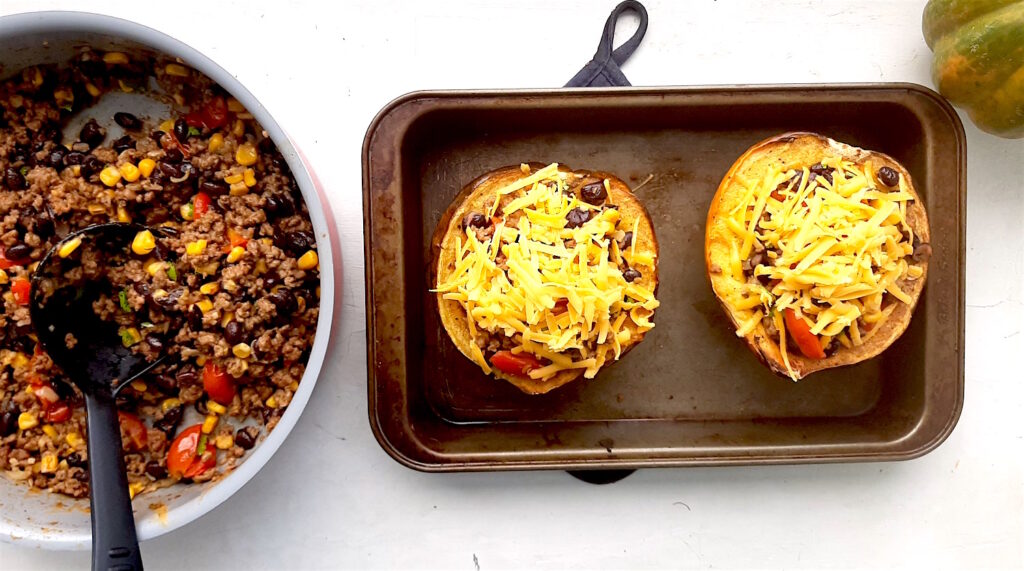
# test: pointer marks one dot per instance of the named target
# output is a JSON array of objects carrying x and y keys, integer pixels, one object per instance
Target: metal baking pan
[{"x": 691, "y": 393}]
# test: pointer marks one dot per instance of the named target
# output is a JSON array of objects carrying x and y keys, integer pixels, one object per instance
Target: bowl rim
[{"x": 55, "y": 22}]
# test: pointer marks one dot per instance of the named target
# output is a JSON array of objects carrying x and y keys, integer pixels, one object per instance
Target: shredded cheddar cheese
[
  {"x": 558, "y": 293},
  {"x": 830, "y": 250}
]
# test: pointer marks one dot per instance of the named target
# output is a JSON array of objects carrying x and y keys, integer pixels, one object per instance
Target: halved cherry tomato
[
  {"x": 59, "y": 412},
  {"x": 218, "y": 384},
  {"x": 515, "y": 364},
  {"x": 6, "y": 262},
  {"x": 22, "y": 289},
  {"x": 808, "y": 343},
  {"x": 201, "y": 203},
  {"x": 212, "y": 116},
  {"x": 132, "y": 427},
  {"x": 189, "y": 455}
]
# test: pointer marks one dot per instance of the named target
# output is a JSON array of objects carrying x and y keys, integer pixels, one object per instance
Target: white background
[{"x": 331, "y": 498}]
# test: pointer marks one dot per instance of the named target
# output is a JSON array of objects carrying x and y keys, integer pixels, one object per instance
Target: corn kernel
[
  {"x": 135, "y": 489},
  {"x": 249, "y": 178},
  {"x": 209, "y": 423},
  {"x": 236, "y": 254},
  {"x": 76, "y": 170},
  {"x": 153, "y": 268},
  {"x": 293, "y": 386},
  {"x": 201, "y": 360},
  {"x": 130, "y": 336},
  {"x": 74, "y": 439},
  {"x": 233, "y": 178},
  {"x": 70, "y": 246},
  {"x": 195, "y": 248},
  {"x": 27, "y": 420},
  {"x": 110, "y": 175},
  {"x": 92, "y": 89},
  {"x": 50, "y": 431},
  {"x": 169, "y": 403},
  {"x": 122, "y": 214},
  {"x": 216, "y": 142},
  {"x": 144, "y": 243},
  {"x": 167, "y": 126},
  {"x": 48, "y": 465},
  {"x": 176, "y": 69},
  {"x": 235, "y": 106},
  {"x": 96, "y": 208},
  {"x": 308, "y": 261},
  {"x": 238, "y": 129},
  {"x": 246, "y": 155},
  {"x": 188, "y": 212},
  {"x": 216, "y": 407},
  {"x": 242, "y": 350},
  {"x": 115, "y": 58},
  {"x": 4, "y": 278},
  {"x": 271, "y": 402},
  {"x": 159, "y": 294},
  {"x": 209, "y": 289},
  {"x": 129, "y": 172},
  {"x": 238, "y": 189},
  {"x": 205, "y": 305},
  {"x": 139, "y": 385},
  {"x": 224, "y": 441},
  {"x": 261, "y": 266},
  {"x": 146, "y": 167},
  {"x": 20, "y": 360}
]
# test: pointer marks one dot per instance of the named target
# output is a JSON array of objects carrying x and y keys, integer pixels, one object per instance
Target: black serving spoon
[{"x": 100, "y": 365}]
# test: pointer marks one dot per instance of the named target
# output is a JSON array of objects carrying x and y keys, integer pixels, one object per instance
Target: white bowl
[{"x": 54, "y": 521}]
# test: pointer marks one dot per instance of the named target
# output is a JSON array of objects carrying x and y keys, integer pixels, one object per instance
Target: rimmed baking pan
[{"x": 691, "y": 393}]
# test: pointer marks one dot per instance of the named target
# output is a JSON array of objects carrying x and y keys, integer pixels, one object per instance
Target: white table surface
[{"x": 331, "y": 498}]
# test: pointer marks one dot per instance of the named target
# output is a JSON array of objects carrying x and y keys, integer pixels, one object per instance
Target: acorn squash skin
[{"x": 979, "y": 59}]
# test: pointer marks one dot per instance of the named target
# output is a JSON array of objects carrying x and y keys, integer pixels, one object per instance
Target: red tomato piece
[
  {"x": 6, "y": 262},
  {"x": 515, "y": 364},
  {"x": 132, "y": 427},
  {"x": 205, "y": 461},
  {"x": 182, "y": 452},
  {"x": 201, "y": 203},
  {"x": 218, "y": 384},
  {"x": 45, "y": 393},
  {"x": 22, "y": 289},
  {"x": 235, "y": 238},
  {"x": 59, "y": 412},
  {"x": 806, "y": 341}
]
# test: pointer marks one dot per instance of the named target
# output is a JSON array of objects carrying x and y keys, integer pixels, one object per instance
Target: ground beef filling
[{"x": 232, "y": 281}]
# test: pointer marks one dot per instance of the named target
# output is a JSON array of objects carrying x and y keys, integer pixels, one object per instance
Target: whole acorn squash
[{"x": 979, "y": 59}]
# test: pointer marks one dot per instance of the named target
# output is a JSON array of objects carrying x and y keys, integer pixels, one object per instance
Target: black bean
[
  {"x": 200, "y": 407},
  {"x": 576, "y": 217},
  {"x": 170, "y": 170},
  {"x": 92, "y": 134},
  {"x": 18, "y": 251},
  {"x": 173, "y": 155},
  {"x": 170, "y": 301},
  {"x": 13, "y": 179},
  {"x": 271, "y": 279},
  {"x": 166, "y": 382},
  {"x": 299, "y": 241},
  {"x": 594, "y": 193},
  {"x": 630, "y": 275},
  {"x": 279, "y": 205},
  {"x": 475, "y": 220},
  {"x": 284, "y": 301},
  {"x": 181, "y": 130},
  {"x": 92, "y": 165},
  {"x": 195, "y": 318},
  {"x": 123, "y": 144},
  {"x": 155, "y": 470},
  {"x": 154, "y": 342},
  {"x": 128, "y": 121},
  {"x": 18, "y": 154},
  {"x": 170, "y": 420},
  {"x": 73, "y": 158},
  {"x": 234, "y": 332},
  {"x": 214, "y": 187},
  {"x": 55, "y": 158},
  {"x": 244, "y": 439},
  {"x": 9, "y": 419},
  {"x": 626, "y": 241},
  {"x": 888, "y": 176},
  {"x": 75, "y": 460},
  {"x": 187, "y": 376},
  {"x": 157, "y": 135},
  {"x": 822, "y": 171}
]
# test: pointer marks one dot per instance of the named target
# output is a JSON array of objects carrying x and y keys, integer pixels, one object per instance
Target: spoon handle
[{"x": 114, "y": 544}]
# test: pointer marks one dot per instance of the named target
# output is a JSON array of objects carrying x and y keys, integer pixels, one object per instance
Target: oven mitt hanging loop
[{"x": 603, "y": 70}]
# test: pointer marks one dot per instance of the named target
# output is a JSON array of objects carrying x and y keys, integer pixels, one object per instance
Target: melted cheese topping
[
  {"x": 558, "y": 293},
  {"x": 829, "y": 251}
]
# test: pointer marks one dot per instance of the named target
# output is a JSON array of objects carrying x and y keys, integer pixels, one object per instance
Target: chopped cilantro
[
  {"x": 146, "y": 325},
  {"x": 66, "y": 108},
  {"x": 23, "y": 170},
  {"x": 201, "y": 447},
  {"x": 193, "y": 132},
  {"x": 172, "y": 272}
]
